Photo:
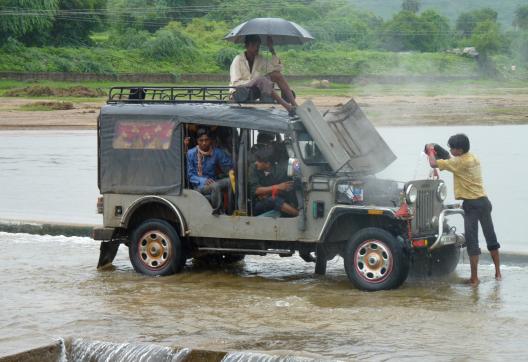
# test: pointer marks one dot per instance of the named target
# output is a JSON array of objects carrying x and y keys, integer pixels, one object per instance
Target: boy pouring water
[{"x": 477, "y": 207}]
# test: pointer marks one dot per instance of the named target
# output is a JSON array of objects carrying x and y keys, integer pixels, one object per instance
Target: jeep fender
[
  {"x": 136, "y": 205},
  {"x": 368, "y": 212}
]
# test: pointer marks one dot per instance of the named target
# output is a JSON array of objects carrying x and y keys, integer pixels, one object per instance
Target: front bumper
[{"x": 449, "y": 238}]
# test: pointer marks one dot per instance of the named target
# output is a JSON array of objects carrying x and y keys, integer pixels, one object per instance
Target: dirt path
[{"x": 381, "y": 110}]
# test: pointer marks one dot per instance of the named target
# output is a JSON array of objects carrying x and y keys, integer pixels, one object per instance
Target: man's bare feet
[
  {"x": 498, "y": 276},
  {"x": 473, "y": 281}
]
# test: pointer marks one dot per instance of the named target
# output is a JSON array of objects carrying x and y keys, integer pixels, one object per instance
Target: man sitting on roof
[
  {"x": 203, "y": 161},
  {"x": 254, "y": 75}
]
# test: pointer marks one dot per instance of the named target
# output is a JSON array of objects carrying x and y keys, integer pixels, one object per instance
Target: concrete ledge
[
  {"x": 45, "y": 228},
  {"x": 48, "y": 353},
  {"x": 55, "y": 351}
]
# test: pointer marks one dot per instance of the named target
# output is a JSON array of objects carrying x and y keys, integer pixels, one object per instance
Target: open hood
[{"x": 346, "y": 138}]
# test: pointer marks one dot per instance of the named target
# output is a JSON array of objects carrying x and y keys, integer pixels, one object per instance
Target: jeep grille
[{"x": 424, "y": 211}]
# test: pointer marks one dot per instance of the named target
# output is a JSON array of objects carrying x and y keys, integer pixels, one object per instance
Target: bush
[
  {"x": 129, "y": 39},
  {"x": 225, "y": 57},
  {"x": 170, "y": 43}
]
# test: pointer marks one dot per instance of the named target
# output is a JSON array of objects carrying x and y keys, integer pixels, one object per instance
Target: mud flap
[
  {"x": 320, "y": 260},
  {"x": 108, "y": 251}
]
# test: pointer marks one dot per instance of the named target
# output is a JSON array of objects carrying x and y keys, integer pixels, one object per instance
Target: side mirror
[{"x": 294, "y": 167}]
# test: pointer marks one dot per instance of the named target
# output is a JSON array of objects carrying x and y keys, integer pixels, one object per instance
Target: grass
[
  {"x": 60, "y": 90},
  {"x": 46, "y": 106},
  {"x": 108, "y": 60}
]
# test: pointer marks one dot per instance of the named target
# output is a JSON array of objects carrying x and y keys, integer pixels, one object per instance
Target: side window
[{"x": 143, "y": 135}]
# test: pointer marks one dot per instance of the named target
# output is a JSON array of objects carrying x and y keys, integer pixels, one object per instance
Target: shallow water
[
  {"x": 50, "y": 288},
  {"x": 52, "y": 175}
]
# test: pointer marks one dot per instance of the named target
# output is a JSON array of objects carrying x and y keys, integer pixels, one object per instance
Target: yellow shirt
[
  {"x": 240, "y": 73},
  {"x": 466, "y": 175}
]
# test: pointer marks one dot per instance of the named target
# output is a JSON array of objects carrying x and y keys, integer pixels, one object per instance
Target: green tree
[
  {"x": 407, "y": 31},
  {"x": 238, "y": 11},
  {"x": 441, "y": 35},
  {"x": 412, "y": 6},
  {"x": 76, "y": 20},
  {"x": 520, "y": 19},
  {"x": 488, "y": 40},
  {"x": 20, "y": 17},
  {"x": 520, "y": 47},
  {"x": 355, "y": 29},
  {"x": 124, "y": 15},
  {"x": 468, "y": 21}
]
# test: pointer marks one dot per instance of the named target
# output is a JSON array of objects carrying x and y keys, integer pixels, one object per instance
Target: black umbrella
[{"x": 281, "y": 31}]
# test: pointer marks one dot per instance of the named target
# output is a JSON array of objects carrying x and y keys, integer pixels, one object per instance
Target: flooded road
[
  {"x": 52, "y": 175},
  {"x": 50, "y": 288}
]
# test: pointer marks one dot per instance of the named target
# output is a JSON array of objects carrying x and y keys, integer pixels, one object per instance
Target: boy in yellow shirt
[{"x": 477, "y": 207}]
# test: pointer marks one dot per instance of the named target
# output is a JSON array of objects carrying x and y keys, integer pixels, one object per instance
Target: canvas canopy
[{"x": 140, "y": 145}]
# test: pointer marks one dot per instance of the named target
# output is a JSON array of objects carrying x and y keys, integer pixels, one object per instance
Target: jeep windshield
[{"x": 310, "y": 153}]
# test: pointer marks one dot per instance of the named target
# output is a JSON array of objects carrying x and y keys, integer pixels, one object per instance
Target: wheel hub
[
  {"x": 373, "y": 261},
  {"x": 154, "y": 249}
]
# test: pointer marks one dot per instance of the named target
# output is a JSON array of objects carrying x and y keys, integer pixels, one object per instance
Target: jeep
[{"x": 383, "y": 229}]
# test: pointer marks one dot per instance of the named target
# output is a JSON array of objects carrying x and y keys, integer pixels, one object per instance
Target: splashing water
[{"x": 80, "y": 350}]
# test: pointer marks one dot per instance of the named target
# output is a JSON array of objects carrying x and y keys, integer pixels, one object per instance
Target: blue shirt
[{"x": 210, "y": 165}]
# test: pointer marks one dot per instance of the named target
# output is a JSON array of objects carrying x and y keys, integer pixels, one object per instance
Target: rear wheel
[
  {"x": 375, "y": 260},
  {"x": 156, "y": 249}
]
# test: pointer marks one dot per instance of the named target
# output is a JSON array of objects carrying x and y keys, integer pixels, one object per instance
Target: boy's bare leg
[
  {"x": 496, "y": 260},
  {"x": 288, "y": 209},
  {"x": 473, "y": 264},
  {"x": 279, "y": 79}
]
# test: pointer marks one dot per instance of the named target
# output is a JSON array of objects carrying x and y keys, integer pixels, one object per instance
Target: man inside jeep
[
  {"x": 253, "y": 76},
  {"x": 203, "y": 163},
  {"x": 270, "y": 188}
]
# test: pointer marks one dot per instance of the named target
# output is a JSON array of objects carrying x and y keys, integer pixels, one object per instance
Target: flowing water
[
  {"x": 50, "y": 288},
  {"x": 272, "y": 305}
]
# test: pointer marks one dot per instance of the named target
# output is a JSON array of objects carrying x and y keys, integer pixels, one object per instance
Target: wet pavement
[{"x": 51, "y": 289}]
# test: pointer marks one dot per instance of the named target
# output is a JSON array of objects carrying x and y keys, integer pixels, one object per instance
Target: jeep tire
[
  {"x": 375, "y": 260},
  {"x": 156, "y": 249}
]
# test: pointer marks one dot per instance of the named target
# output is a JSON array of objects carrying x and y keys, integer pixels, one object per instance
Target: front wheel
[
  {"x": 375, "y": 260},
  {"x": 155, "y": 249}
]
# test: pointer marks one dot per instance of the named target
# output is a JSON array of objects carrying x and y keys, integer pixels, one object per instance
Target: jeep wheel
[
  {"x": 155, "y": 248},
  {"x": 375, "y": 260}
]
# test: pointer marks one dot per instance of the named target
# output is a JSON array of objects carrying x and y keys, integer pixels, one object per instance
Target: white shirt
[{"x": 240, "y": 73}]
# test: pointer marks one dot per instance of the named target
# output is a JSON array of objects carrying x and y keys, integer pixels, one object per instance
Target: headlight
[
  {"x": 411, "y": 194},
  {"x": 441, "y": 191}
]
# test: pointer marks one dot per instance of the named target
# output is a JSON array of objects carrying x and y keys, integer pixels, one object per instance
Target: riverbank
[
  {"x": 75, "y": 105},
  {"x": 382, "y": 110}
]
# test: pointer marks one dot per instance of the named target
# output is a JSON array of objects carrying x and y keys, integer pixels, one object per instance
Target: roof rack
[{"x": 177, "y": 94}]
